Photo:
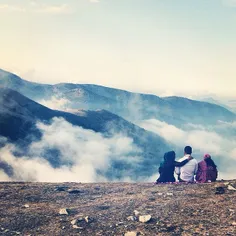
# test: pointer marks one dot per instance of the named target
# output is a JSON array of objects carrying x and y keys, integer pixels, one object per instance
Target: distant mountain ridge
[
  {"x": 131, "y": 106},
  {"x": 19, "y": 114}
]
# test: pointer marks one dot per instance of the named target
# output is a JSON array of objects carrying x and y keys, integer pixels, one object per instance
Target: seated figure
[
  {"x": 167, "y": 167},
  {"x": 207, "y": 170}
]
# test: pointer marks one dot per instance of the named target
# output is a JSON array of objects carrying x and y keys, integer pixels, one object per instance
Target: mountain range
[
  {"x": 131, "y": 106},
  {"x": 104, "y": 110}
]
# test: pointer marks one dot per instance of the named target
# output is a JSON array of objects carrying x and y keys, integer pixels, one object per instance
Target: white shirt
[{"x": 187, "y": 171}]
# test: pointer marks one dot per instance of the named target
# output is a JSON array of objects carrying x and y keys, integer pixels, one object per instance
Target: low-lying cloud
[
  {"x": 221, "y": 147},
  {"x": 86, "y": 155},
  {"x": 55, "y": 103}
]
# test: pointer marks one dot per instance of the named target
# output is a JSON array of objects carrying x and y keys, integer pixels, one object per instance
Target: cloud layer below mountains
[
  {"x": 83, "y": 153},
  {"x": 87, "y": 155},
  {"x": 221, "y": 147}
]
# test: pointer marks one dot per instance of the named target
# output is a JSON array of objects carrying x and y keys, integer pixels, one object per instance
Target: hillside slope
[
  {"x": 19, "y": 115},
  {"x": 175, "y": 209}
]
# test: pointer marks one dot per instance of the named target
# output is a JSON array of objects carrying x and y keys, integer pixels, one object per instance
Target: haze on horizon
[{"x": 183, "y": 46}]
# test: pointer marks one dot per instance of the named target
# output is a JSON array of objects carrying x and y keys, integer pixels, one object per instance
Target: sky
[{"x": 175, "y": 46}]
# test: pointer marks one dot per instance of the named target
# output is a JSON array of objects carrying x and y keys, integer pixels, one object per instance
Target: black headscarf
[{"x": 169, "y": 158}]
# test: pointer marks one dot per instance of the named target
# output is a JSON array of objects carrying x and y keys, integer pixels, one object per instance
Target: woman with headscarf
[
  {"x": 167, "y": 167},
  {"x": 207, "y": 170}
]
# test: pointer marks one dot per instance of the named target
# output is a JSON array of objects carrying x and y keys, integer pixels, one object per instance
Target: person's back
[
  {"x": 167, "y": 167},
  {"x": 207, "y": 170},
  {"x": 186, "y": 173}
]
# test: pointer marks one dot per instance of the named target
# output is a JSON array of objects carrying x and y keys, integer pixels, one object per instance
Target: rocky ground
[{"x": 118, "y": 209}]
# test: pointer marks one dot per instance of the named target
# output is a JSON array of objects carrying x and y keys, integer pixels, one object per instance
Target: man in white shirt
[{"x": 186, "y": 173}]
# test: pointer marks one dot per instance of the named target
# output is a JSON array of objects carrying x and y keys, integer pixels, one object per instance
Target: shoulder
[
  {"x": 201, "y": 162},
  {"x": 182, "y": 159}
]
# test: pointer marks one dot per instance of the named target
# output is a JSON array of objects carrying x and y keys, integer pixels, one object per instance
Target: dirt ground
[{"x": 175, "y": 209}]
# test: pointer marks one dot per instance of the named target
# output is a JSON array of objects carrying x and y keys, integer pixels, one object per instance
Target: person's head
[
  {"x": 169, "y": 157},
  {"x": 207, "y": 156},
  {"x": 188, "y": 150}
]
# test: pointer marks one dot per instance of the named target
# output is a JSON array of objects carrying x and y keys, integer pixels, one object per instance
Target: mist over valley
[{"x": 91, "y": 133}]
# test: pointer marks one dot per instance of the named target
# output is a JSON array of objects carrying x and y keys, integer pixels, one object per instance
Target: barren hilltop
[{"x": 117, "y": 209}]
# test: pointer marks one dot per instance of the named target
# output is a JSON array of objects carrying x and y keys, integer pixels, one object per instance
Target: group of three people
[{"x": 186, "y": 168}]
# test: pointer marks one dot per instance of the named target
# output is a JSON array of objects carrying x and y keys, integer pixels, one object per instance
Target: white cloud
[
  {"x": 201, "y": 139},
  {"x": 54, "y": 9},
  {"x": 3, "y": 176},
  {"x": 55, "y": 103},
  {"x": 219, "y": 145},
  {"x": 83, "y": 153},
  {"x": 11, "y": 8}
]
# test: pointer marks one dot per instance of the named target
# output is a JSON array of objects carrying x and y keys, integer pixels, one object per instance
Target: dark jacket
[{"x": 167, "y": 167}]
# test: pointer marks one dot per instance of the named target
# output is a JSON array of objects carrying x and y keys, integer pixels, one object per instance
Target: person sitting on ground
[
  {"x": 167, "y": 167},
  {"x": 186, "y": 173},
  {"x": 207, "y": 170}
]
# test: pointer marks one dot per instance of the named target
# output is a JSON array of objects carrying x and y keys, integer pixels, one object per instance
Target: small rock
[
  {"x": 131, "y": 218},
  {"x": 77, "y": 220},
  {"x": 136, "y": 213},
  {"x": 131, "y": 233},
  {"x": 234, "y": 223},
  {"x": 226, "y": 183},
  {"x": 159, "y": 194},
  {"x": 63, "y": 227},
  {"x": 103, "y": 207},
  {"x": 169, "y": 194},
  {"x": 61, "y": 188},
  {"x": 220, "y": 190},
  {"x": 120, "y": 223},
  {"x": 26, "y": 206},
  {"x": 77, "y": 227},
  {"x": 151, "y": 199},
  {"x": 230, "y": 187},
  {"x": 145, "y": 218},
  {"x": 63, "y": 211},
  {"x": 74, "y": 222},
  {"x": 88, "y": 219},
  {"x": 75, "y": 191}
]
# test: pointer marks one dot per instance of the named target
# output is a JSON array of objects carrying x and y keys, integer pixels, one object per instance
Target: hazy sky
[{"x": 140, "y": 45}]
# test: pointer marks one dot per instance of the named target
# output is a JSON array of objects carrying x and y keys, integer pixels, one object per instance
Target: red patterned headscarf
[{"x": 207, "y": 156}]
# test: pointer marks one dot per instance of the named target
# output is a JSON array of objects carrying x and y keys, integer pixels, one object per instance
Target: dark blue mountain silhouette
[{"x": 131, "y": 106}]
